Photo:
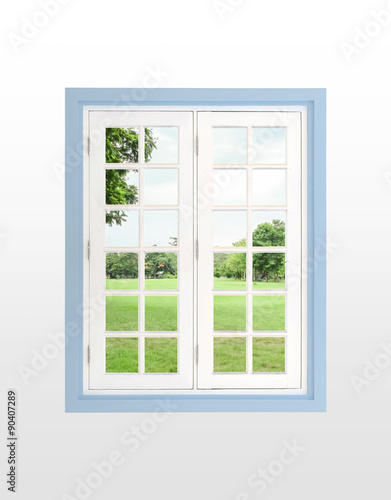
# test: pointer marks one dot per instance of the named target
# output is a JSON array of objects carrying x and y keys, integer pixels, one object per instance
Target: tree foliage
[
  {"x": 161, "y": 264},
  {"x": 121, "y": 265},
  {"x": 266, "y": 266},
  {"x": 269, "y": 266},
  {"x": 157, "y": 265},
  {"x": 122, "y": 147}
]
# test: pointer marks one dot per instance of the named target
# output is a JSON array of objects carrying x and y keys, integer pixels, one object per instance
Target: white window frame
[
  {"x": 302, "y": 390},
  {"x": 291, "y": 378},
  {"x": 99, "y": 379}
]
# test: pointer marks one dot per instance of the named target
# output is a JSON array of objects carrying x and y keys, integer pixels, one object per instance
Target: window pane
[
  {"x": 268, "y": 271},
  {"x": 269, "y": 187},
  {"x": 269, "y": 313},
  {"x": 229, "y": 145},
  {"x": 229, "y": 228},
  {"x": 161, "y": 314},
  {"x": 229, "y": 354},
  {"x": 269, "y": 145},
  {"x": 229, "y": 271},
  {"x": 268, "y": 228},
  {"x": 161, "y": 144},
  {"x": 268, "y": 354},
  {"x": 122, "y": 145},
  {"x": 122, "y": 228},
  {"x": 229, "y": 313},
  {"x": 161, "y": 186},
  {"x": 161, "y": 355},
  {"x": 121, "y": 355},
  {"x": 229, "y": 186},
  {"x": 122, "y": 271},
  {"x": 122, "y": 187},
  {"x": 161, "y": 228},
  {"x": 121, "y": 314},
  {"x": 161, "y": 271}
]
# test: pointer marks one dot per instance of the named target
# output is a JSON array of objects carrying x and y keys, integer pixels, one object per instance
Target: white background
[{"x": 256, "y": 44}]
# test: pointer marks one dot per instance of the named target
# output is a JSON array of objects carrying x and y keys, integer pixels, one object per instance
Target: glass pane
[
  {"x": 269, "y": 313},
  {"x": 268, "y": 354},
  {"x": 229, "y": 313},
  {"x": 161, "y": 228},
  {"x": 229, "y": 354},
  {"x": 229, "y": 145},
  {"x": 121, "y": 355},
  {"x": 161, "y": 271},
  {"x": 121, "y": 271},
  {"x": 269, "y": 187},
  {"x": 161, "y": 314},
  {"x": 122, "y": 314},
  {"x": 161, "y": 186},
  {"x": 269, "y": 145},
  {"x": 268, "y": 271},
  {"x": 122, "y": 228},
  {"x": 268, "y": 228},
  {"x": 229, "y": 228},
  {"x": 161, "y": 145},
  {"x": 229, "y": 186},
  {"x": 229, "y": 271},
  {"x": 122, "y": 145},
  {"x": 122, "y": 187},
  {"x": 161, "y": 355}
]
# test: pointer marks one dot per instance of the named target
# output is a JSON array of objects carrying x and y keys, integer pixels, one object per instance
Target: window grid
[
  {"x": 248, "y": 250},
  {"x": 142, "y": 334}
]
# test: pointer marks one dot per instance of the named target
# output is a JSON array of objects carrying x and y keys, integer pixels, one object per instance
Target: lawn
[
  {"x": 230, "y": 354},
  {"x": 161, "y": 315},
  {"x": 161, "y": 355},
  {"x": 150, "y": 284},
  {"x": 172, "y": 284},
  {"x": 122, "y": 355},
  {"x": 122, "y": 314}
]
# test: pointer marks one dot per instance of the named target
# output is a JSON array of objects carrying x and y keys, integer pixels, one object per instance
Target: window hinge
[
  {"x": 89, "y": 355},
  {"x": 197, "y": 354},
  {"x": 197, "y": 249},
  {"x": 197, "y": 145},
  {"x": 89, "y": 146},
  {"x": 89, "y": 249}
]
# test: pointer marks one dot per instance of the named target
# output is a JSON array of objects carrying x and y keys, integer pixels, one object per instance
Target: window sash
[
  {"x": 98, "y": 378},
  {"x": 292, "y": 378}
]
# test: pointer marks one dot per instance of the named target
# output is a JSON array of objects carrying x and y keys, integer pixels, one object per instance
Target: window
[{"x": 198, "y": 225}]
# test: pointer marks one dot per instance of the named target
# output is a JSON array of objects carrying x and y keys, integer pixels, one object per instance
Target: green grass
[
  {"x": 229, "y": 354},
  {"x": 161, "y": 355},
  {"x": 161, "y": 314},
  {"x": 161, "y": 284},
  {"x": 229, "y": 284},
  {"x": 121, "y": 355},
  {"x": 150, "y": 284},
  {"x": 172, "y": 284},
  {"x": 268, "y": 354},
  {"x": 128, "y": 284},
  {"x": 269, "y": 312},
  {"x": 229, "y": 313},
  {"x": 122, "y": 314},
  {"x": 269, "y": 285}
]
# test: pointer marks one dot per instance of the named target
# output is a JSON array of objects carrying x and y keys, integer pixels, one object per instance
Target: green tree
[
  {"x": 122, "y": 147},
  {"x": 269, "y": 266},
  {"x": 269, "y": 234},
  {"x": 162, "y": 264},
  {"x": 121, "y": 265}
]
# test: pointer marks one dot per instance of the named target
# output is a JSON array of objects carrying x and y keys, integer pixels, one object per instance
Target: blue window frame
[{"x": 315, "y": 102}]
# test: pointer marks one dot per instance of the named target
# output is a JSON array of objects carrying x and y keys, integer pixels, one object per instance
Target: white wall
[{"x": 255, "y": 44}]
